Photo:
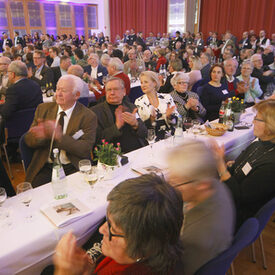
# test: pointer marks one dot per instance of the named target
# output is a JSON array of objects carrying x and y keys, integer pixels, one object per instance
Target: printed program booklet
[{"x": 64, "y": 212}]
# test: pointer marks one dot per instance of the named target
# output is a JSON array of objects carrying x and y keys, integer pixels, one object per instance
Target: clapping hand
[
  {"x": 170, "y": 110},
  {"x": 70, "y": 259},
  {"x": 118, "y": 114},
  {"x": 242, "y": 87},
  {"x": 192, "y": 103},
  {"x": 130, "y": 118}
]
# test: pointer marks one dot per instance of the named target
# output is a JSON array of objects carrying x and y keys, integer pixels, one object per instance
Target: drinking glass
[
  {"x": 24, "y": 193},
  {"x": 91, "y": 178},
  {"x": 3, "y": 195},
  {"x": 151, "y": 135},
  {"x": 196, "y": 127},
  {"x": 84, "y": 167},
  {"x": 188, "y": 123}
]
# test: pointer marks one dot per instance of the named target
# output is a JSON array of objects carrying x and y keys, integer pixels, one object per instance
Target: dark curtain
[
  {"x": 237, "y": 16},
  {"x": 142, "y": 15}
]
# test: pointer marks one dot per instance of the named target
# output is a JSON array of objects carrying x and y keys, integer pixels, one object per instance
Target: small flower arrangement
[
  {"x": 237, "y": 105},
  {"x": 108, "y": 153}
]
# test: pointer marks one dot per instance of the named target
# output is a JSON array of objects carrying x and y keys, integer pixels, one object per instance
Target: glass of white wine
[
  {"x": 92, "y": 176},
  {"x": 24, "y": 193},
  {"x": 84, "y": 167}
]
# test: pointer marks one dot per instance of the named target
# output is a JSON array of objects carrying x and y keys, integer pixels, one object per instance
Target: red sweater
[
  {"x": 161, "y": 61},
  {"x": 109, "y": 267},
  {"x": 122, "y": 76}
]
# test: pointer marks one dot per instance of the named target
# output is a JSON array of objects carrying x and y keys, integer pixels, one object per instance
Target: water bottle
[
  {"x": 179, "y": 130},
  {"x": 59, "y": 180},
  {"x": 229, "y": 117}
]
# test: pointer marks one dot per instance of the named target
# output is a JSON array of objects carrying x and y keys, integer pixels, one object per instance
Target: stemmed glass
[
  {"x": 91, "y": 177},
  {"x": 24, "y": 192},
  {"x": 188, "y": 123},
  {"x": 196, "y": 127},
  {"x": 3, "y": 195},
  {"x": 151, "y": 136},
  {"x": 84, "y": 167}
]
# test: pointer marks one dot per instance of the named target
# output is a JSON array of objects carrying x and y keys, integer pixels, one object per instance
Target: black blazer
[
  {"x": 46, "y": 76},
  {"x": 56, "y": 74},
  {"x": 106, "y": 128},
  {"x": 205, "y": 71},
  {"x": 22, "y": 95},
  {"x": 167, "y": 87},
  {"x": 8, "y": 43},
  {"x": 20, "y": 41}
]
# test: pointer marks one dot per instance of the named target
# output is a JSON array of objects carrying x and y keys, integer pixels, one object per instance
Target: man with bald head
[
  {"x": 4, "y": 79},
  {"x": 65, "y": 124},
  {"x": 22, "y": 93}
]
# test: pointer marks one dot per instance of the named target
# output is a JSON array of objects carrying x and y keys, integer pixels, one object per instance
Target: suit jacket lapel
[
  {"x": 74, "y": 120},
  {"x": 108, "y": 113}
]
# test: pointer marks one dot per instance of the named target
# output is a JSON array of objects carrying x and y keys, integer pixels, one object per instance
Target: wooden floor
[{"x": 243, "y": 264}]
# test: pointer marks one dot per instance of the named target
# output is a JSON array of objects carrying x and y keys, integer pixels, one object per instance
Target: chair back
[
  {"x": 26, "y": 152},
  {"x": 19, "y": 123},
  {"x": 264, "y": 214},
  {"x": 220, "y": 264},
  {"x": 84, "y": 101}
]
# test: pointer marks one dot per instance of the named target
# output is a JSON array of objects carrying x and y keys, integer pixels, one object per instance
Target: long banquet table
[{"x": 27, "y": 247}]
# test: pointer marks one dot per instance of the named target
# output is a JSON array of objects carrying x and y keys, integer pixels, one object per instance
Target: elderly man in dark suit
[
  {"x": 95, "y": 70},
  {"x": 118, "y": 120},
  {"x": 43, "y": 75},
  {"x": 23, "y": 93},
  {"x": 205, "y": 61},
  {"x": 65, "y": 124}
]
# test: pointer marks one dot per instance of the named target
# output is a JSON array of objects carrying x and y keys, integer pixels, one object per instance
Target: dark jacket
[
  {"x": 46, "y": 76},
  {"x": 23, "y": 94},
  {"x": 101, "y": 71},
  {"x": 8, "y": 43}
]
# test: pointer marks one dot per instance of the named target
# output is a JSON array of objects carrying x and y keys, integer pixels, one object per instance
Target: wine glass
[
  {"x": 188, "y": 123},
  {"x": 151, "y": 135},
  {"x": 84, "y": 167},
  {"x": 24, "y": 193},
  {"x": 196, "y": 127},
  {"x": 3, "y": 195},
  {"x": 91, "y": 177}
]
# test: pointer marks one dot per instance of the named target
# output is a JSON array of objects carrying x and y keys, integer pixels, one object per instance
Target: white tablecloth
[{"x": 26, "y": 248}]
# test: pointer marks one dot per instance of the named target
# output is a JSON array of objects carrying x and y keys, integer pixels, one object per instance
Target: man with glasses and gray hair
[
  {"x": 4, "y": 79},
  {"x": 22, "y": 93},
  {"x": 209, "y": 213}
]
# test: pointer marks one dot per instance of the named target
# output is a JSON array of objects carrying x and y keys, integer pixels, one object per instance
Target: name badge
[
  {"x": 225, "y": 92},
  {"x": 40, "y": 77},
  {"x": 247, "y": 168},
  {"x": 78, "y": 135},
  {"x": 99, "y": 74}
]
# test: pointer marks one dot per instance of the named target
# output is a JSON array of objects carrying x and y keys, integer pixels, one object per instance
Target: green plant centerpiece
[{"x": 107, "y": 153}]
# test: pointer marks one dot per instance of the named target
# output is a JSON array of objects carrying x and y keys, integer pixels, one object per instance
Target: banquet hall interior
[{"x": 110, "y": 110}]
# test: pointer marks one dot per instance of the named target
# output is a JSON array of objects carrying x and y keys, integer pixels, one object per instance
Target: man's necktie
[{"x": 61, "y": 119}]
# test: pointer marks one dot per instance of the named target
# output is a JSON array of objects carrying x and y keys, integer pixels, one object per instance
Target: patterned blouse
[{"x": 163, "y": 124}]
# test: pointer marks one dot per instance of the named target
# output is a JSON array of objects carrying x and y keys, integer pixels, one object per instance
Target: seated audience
[
  {"x": 150, "y": 65},
  {"x": 4, "y": 78},
  {"x": 205, "y": 61},
  {"x": 65, "y": 63},
  {"x": 188, "y": 104},
  {"x": 252, "y": 89},
  {"x": 263, "y": 73},
  {"x": 22, "y": 93},
  {"x": 78, "y": 71},
  {"x": 65, "y": 124},
  {"x": 43, "y": 75},
  {"x": 209, "y": 214},
  {"x": 263, "y": 41},
  {"x": 214, "y": 92},
  {"x": 173, "y": 67},
  {"x": 268, "y": 55},
  {"x": 141, "y": 234},
  {"x": 155, "y": 109},
  {"x": 117, "y": 118},
  {"x": 250, "y": 177},
  {"x": 133, "y": 66},
  {"x": 95, "y": 70},
  {"x": 195, "y": 74},
  {"x": 79, "y": 58}
]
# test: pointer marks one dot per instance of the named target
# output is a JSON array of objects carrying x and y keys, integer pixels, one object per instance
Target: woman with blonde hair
[
  {"x": 250, "y": 177},
  {"x": 195, "y": 74},
  {"x": 156, "y": 109}
]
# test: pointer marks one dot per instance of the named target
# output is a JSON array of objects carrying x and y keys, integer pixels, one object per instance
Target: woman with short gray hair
[
  {"x": 188, "y": 104},
  {"x": 251, "y": 84},
  {"x": 141, "y": 234}
]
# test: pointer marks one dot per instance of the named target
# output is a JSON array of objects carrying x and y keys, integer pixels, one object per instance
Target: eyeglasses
[
  {"x": 110, "y": 233},
  {"x": 187, "y": 182},
  {"x": 182, "y": 82},
  {"x": 257, "y": 119}
]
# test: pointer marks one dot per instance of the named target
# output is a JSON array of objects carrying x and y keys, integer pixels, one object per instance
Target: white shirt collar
[
  {"x": 67, "y": 112},
  {"x": 230, "y": 79}
]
